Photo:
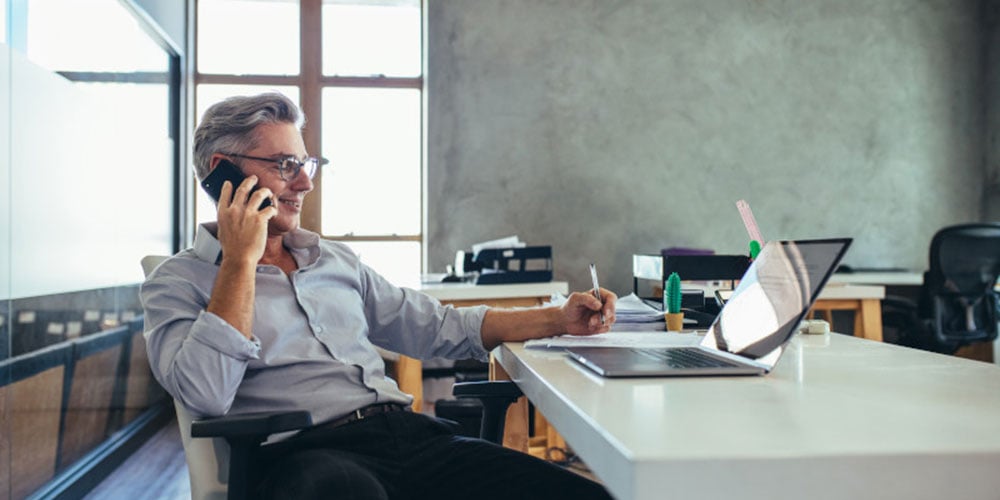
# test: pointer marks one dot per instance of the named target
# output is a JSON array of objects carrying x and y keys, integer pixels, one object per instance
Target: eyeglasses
[{"x": 289, "y": 167}]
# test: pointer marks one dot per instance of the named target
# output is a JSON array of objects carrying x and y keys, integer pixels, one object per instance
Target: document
[
  {"x": 632, "y": 309},
  {"x": 507, "y": 242},
  {"x": 629, "y": 309},
  {"x": 638, "y": 339}
]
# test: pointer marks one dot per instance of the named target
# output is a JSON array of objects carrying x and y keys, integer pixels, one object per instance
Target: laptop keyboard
[{"x": 684, "y": 358}]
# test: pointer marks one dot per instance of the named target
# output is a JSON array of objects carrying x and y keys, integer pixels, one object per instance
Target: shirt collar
[{"x": 207, "y": 247}]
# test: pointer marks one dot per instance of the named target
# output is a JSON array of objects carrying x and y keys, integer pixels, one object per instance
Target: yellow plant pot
[{"x": 675, "y": 321}]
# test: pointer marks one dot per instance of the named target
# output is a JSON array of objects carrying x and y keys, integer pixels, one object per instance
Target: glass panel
[
  {"x": 5, "y": 68},
  {"x": 248, "y": 37},
  {"x": 363, "y": 40},
  {"x": 397, "y": 261},
  {"x": 3, "y": 21},
  {"x": 372, "y": 184},
  {"x": 57, "y": 40},
  {"x": 87, "y": 173},
  {"x": 125, "y": 143},
  {"x": 208, "y": 95},
  {"x": 5, "y": 249}
]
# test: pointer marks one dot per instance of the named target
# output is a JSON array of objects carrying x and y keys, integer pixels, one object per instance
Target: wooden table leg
[
  {"x": 871, "y": 319},
  {"x": 410, "y": 377},
  {"x": 867, "y": 315}
]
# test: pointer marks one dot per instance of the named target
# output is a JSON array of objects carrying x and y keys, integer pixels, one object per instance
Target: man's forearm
[
  {"x": 513, "y": 325},
  {"x": 233, "y": 295}
]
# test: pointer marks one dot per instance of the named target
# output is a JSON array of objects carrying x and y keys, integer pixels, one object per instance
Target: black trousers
[{"x": 406, "y": 455}]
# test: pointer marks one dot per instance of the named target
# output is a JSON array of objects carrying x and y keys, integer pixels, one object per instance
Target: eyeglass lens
[{"x": 290, "y": 168}]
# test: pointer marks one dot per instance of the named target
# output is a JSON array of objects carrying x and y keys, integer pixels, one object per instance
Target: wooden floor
[{"x": 155, "y": 471}]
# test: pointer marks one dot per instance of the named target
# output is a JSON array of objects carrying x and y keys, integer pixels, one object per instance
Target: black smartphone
[{"x": 226, "y": 171}]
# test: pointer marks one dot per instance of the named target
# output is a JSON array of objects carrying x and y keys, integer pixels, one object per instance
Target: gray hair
[{"x": 228, "y": 126}]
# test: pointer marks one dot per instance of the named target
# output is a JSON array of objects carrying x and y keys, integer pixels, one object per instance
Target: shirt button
[{"x": 318, "y": 329}]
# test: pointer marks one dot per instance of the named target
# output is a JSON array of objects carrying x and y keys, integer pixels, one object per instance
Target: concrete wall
[
  {"x": 991, "y": 19},
  {"x": 606, "y": 128}
]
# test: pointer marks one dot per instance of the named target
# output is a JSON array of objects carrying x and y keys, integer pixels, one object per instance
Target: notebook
[{"x": 756, "y": 322}]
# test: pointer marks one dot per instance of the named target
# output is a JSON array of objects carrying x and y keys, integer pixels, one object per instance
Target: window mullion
[{"x": 311, "y": 19}]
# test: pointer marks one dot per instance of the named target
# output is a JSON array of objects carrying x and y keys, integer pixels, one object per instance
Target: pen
[{"x": 597, "y": 288}]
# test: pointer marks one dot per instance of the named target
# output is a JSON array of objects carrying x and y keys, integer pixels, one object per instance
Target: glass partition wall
[{"x": 87, "y": 167}]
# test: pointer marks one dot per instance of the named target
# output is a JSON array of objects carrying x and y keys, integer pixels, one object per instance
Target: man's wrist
[
  {"x": 555, "y": 323},
  {"x": 238, "y": 262}
]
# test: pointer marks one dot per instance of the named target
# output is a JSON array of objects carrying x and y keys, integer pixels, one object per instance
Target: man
[{"x": 261, "y": 315}]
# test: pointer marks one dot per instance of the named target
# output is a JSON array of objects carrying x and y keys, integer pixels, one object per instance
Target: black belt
[{"x": 363, "y": 413}]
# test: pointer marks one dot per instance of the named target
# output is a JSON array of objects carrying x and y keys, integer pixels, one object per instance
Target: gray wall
[
  {"x": 606, "y": 128},
  {"x": 991, "y": 18}
]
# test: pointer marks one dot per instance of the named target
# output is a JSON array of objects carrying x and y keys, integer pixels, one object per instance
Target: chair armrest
[
  {"x": 251, "y": 424},
  {"x": 496, "y": 397},
  {"x": 490, "y": 389},
  {"x": 244, "y": 433}
]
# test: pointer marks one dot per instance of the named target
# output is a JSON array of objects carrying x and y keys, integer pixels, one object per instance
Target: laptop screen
[{"x": 773, "y": 296}]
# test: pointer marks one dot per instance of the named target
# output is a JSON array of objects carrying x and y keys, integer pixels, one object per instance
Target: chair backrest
[
  {"x": 207, "y": 458},
  {"x": 958, "y": 291},
  {"x": 150, "y": 262}
]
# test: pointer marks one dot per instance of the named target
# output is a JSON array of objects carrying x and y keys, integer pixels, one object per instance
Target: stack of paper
[
  {"x": 632, "y": 309},
  {"x": 508, "y": 242}
]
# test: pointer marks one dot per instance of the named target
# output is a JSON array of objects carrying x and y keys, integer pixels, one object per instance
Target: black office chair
[
  {"x": 245, "y": 433},
  {"x": 958, "y": 304}
]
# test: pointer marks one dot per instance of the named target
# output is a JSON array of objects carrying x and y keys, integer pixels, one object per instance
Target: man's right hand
[
  {"x": 243, "y": 237},
  {"x": 242, "y": 225}
]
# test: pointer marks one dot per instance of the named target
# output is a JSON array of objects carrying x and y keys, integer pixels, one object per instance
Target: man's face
[{"x": 278, "y": 141}]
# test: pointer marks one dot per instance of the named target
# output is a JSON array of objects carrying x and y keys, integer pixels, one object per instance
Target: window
[{"x": 356, "y": 70}]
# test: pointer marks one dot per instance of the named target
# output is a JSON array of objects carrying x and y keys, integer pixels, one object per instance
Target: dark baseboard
[{"x": 84, "y": 475}]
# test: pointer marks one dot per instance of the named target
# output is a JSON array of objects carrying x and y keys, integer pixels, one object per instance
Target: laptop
[{"x": 756, "y": 322}]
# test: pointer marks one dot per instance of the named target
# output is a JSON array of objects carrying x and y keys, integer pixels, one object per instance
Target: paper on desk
[
  {"x": 508, "y": 242},
  {"x": 631, "y": 309},
  {"x": 618, "y": 339}
]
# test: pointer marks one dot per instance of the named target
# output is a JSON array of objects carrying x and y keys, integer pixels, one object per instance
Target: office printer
[
  {"x": 650, "y": 272},
  {"x": 492, "y": 266}
]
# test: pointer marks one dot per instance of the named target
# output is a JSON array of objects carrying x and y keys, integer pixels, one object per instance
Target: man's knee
[{"x": 320, "y": 474}]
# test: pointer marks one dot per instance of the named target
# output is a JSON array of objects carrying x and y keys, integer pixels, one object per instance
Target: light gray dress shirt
[{"x": 314, "y": 332}]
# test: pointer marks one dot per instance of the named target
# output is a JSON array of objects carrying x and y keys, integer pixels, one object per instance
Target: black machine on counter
[
  {"x": 652, "y": 270},
  {"x": 493, "y": 266}
]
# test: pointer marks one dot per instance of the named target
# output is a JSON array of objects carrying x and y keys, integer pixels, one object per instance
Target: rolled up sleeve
[{"x": 195, "y": 355}]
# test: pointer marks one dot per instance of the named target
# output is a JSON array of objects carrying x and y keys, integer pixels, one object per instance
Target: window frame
[{"x": 311, "y": 81}]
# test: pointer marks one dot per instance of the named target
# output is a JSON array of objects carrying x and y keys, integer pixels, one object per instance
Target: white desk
[
  {"x": 884, "y": 278},
  {"x": 838, "y": 418},
  {"x": 509, "y": 294}
]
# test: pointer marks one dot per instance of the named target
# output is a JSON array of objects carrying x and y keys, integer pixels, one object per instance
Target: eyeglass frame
[{"x": 299, "y": 164}]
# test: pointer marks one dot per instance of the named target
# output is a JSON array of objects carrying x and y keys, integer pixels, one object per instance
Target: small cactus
[{"x": 672, "y": 294}]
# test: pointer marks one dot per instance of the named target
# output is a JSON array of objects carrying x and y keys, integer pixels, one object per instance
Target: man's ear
[{"x": 214, "y": 161}]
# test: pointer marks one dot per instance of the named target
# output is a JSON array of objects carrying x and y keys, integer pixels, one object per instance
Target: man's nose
[{"x": 301, "y": 182}]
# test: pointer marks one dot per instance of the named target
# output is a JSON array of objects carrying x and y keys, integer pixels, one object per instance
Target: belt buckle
[{"x": 358, "y": 415}]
